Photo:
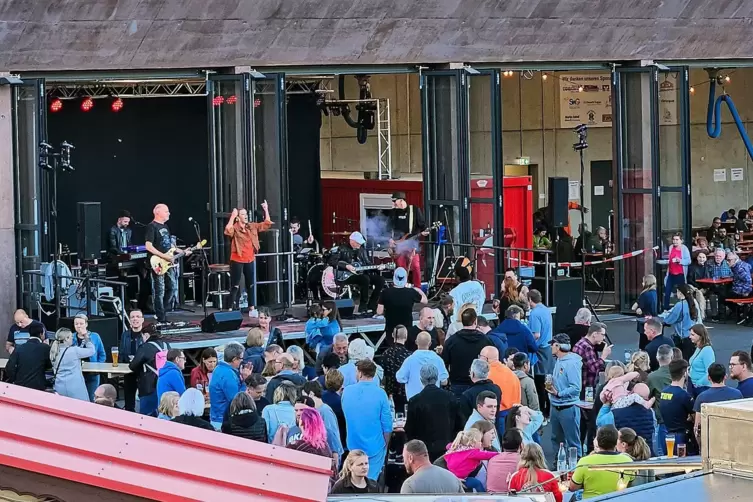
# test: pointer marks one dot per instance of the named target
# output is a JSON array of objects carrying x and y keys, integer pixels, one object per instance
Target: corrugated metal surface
[
  {"x": 127, "y": 34},
  {"x": 148, "y": 457}
]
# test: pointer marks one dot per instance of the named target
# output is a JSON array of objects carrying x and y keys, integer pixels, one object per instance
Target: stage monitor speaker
[
  {"x": 220, "y": 322},
  {"x": 106, "y": 327},
  {"x": 345, "y": 307},
  {"x": 566, "y": 294},
  {"x": 558, "y": 200},
  {"x": 89, "y": 231}
]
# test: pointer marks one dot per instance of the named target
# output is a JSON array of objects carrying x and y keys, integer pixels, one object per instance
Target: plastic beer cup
[{"x": 670, "y": 440}]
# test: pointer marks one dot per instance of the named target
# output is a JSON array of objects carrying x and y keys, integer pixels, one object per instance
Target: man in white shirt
[{"x": 410, "y": 371}]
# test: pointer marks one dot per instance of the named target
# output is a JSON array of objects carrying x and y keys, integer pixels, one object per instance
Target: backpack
[{"x": 160, "y": 358}]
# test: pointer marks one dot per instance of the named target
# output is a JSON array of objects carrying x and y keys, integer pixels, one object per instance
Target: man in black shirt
[
  {"x": 130, "y": 342},
  {"x": 406, "y": 222},
  {"x": 158, "y": 243},
  {"x": 345, "y": 259},
  {"x": 20, "y": 329},
  {"x": 120, "y": 234},
  {"x": 396, "y": 303},
  {"x": 425, "y": 323},
  {"x": 29, "y": 362},
  {"x": 653, "y": 329}
]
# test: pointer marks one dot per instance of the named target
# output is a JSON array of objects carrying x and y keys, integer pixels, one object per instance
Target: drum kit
[{"x": 315, "y": 278}]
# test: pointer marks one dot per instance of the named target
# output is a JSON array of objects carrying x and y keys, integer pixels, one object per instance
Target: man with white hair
[
  {"x": 741, "y": 280},
  {"x": 579, "y": 328},
  {"x": 358, "y": 351},
  {"x": 409, "y": 373},
  {"x": 345, "y": 260},
  {"x": 481, "y": 383},
  {"x": 339, "y": 346},
  {"x": 433, "y": 414}
]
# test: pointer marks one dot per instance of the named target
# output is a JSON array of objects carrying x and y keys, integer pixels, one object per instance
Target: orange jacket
[{"x": 508, "y": 382}]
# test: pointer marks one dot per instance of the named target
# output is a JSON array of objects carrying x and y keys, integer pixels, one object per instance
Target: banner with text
[{"x": 585, "y": 99}]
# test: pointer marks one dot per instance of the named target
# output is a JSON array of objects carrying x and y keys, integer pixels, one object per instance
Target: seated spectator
[
  {"x": 244, "y": 420},
  {"x": 191, "y": 409},
  {"x": 280, "y": 416},
  {"x": 632, "y": 444},
  {"x": 729, "y": 215},
  {"x": 532, "y": 472},
  {"x": 713, "y": 231},
  {"x": 464, "y": 457},
  {"x": 697, "y": 269},
  {"x": 171, "y": 374},
  {"x": 524, "y": 420},
  {"x": 501, "y": 467},
  {"x": 724, "y": 241},
  {"x": 701, "y": 245},
  {"x": 718, "y": 268},
  {"x": 717, "y": 393},
  {"x": 30, "y": 361},
  {"x": 200, "y": 374},
  {"x": 595, "y": 483},
  {"x": 426, "y": 478},
  {"x": 481, "y": 382},
  {"x": 741, "y": 280},
  {"x": 540, "y": 239},
  {"x": 285, "y": 365},
  {"x": 353, "y": 476},
  {"x": 254, "y": 353},
  {"x": 522, "y": 370},
  {"x": 255, "y": 387},
  {"x": 107, "y": 392},
  {"x": 168, "y": 405}
]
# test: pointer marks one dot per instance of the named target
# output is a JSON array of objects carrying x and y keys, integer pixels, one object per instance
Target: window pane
[
  {"x": 482, "y": 225},
  {"x": 671, "y": 218},
  {"x": 670, "y": 158},
  {"x": 443, "y": 158},
  {"x": 636, "y": 129},
  {"x": 637, "y": 233}
]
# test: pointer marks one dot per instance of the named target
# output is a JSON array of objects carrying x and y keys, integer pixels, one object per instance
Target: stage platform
[{"x": 292, "y": 331}]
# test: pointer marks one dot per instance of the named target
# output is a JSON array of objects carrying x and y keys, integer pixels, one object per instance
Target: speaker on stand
[{"x": 89, "y": 231}]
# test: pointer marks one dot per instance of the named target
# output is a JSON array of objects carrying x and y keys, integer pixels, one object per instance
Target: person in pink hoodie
[
  {"x": 464, "y": 457},
  {"x": 502, "y": 467}
]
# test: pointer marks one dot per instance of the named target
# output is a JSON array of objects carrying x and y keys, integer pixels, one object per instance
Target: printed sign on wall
[{"x": 585, "y": 99}]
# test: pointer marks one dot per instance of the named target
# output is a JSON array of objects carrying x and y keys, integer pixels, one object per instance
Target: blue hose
[{"x": 714, "y": 117}]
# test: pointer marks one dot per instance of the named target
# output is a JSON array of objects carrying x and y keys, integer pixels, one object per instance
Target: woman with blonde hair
[
  {"x": 254, "y": 352},
  {"x": 465, "y": 456},
  {"x": 353, "y": 475},
  {"x": 281, "y": 413},
  {"x": 168, "y": 405},
  {"x": 640, "y": 363},
  {"x": 66, "y": 363},
  {"x": 647, "y": 305},
  {"x": 532, "y": 471},
  {"x": 631, "y": 443}
]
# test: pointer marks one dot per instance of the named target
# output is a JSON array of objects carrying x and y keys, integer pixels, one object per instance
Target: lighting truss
[{"x": 129, "y": 90}]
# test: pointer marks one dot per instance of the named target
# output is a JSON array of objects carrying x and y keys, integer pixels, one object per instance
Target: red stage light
[
  {"x": 231, "y": 100},
  {"x": 117, "y": 105},
  {"x": 87, "y": 104},
  {"x": 257, "y": 102},
  {"x": 218, "y": 100},
  {"x": 56, "y": 105}
]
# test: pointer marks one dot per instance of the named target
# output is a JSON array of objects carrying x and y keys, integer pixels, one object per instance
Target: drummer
[{"x": 295, "y": 228}]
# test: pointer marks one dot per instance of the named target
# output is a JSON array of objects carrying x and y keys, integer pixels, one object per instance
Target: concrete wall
[{"x": 530, "y": 117}]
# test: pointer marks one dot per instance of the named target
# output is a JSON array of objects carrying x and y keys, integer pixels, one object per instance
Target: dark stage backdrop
[
  {"x": 154, "y": 150},
  {"x": 305, "y": 191}
]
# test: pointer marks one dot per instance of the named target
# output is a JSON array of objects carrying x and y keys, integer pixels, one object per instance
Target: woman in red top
[
  {"x": 201, "y": 374},
  {"x": 244, "y": 244},
  {"x": 532, "y": 471}
]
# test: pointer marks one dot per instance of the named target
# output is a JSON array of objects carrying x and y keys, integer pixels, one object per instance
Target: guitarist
[
  {"x": 343, "y": 259},
  {"x": 158, "y": 243},
  {"x": 406, "y": 223}
]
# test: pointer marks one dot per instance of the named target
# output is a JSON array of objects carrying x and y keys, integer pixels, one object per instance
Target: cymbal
[{"x": 340, "y": 233}]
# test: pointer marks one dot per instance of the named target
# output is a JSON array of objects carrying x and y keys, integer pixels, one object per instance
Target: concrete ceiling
[{"x": 151, "y": 34}]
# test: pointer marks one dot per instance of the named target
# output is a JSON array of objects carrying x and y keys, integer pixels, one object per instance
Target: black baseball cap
[
  {"x": 398, "y": 195},
  {"x": 562, "y": 340}
]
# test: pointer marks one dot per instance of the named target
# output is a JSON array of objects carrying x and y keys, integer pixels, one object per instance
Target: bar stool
[{"x": 220, "y": 273}]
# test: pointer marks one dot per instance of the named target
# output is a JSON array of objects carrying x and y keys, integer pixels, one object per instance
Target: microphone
[{"x": 190, "y": 218}]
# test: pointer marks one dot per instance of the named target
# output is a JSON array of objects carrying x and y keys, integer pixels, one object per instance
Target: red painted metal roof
[{"x": 148, "y": 457}]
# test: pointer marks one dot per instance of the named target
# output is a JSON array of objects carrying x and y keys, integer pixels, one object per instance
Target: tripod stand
[{"x": 580, "y": 147}]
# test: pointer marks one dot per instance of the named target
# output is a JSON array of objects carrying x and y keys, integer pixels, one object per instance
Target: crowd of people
[{"x": 460, "y": 402}]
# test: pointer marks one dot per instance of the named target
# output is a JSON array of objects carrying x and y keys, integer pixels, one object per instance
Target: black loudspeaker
[
  {"x": 106, "y": 327},
  {"x": 345, "y": 307},
  {"x": 566, "y": 294},
  {"x": 558, "y": 199},
  {"x": 222, "y": 321},
  {"x": 89, "y": 231}
]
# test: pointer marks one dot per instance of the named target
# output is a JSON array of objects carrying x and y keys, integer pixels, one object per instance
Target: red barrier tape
[{"x": 599, "y": 262}]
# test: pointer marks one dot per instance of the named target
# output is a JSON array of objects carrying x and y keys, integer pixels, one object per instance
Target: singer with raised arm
[
  {"x": 406, "y": 224},
  {"x": 120, "y": 233},
  {"x": 159, "y": 244},
  {"x": 244, "y": 244}
]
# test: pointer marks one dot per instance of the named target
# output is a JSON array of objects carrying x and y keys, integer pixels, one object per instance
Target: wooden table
[{"x": 88, "y": 367}]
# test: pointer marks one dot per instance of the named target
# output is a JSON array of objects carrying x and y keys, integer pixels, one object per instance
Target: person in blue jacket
[
  {"x": 322, "y": 326},
  {"x": 171, "y": 374},
  {"x": 684, "y": 314},
  {"x": 227, "y": 381},
  {"x": 647, "y": 305},
  {"x": 517, "y": 334},
  {"x": 254, "y": 354},
  {"x": 81, "y": 326}
]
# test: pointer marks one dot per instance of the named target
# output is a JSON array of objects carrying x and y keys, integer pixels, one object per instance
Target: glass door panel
[
  {"x": 483, "y": 256},
  {"x": 637, "y": 232}
]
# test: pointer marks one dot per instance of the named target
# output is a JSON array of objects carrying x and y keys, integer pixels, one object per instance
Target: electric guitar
[
  {"x": 343, "y": 275},
  {"x": 392, "y": 250},
  {"x": 160, "y": 266}
]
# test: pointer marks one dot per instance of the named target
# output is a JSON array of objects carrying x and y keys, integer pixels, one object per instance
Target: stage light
[
  {"x": 727, "y": 79},
  {"x": 231, "y": 100},
  {"x": 87, "y": 104},
  {"x": 544, "y": 76},
  {"x": 580, "y": 88},
  {"x": 692, "y": 90},
  {"x": 117, "y": 105},
  {"x": 218, "y": 100},
  {"x": 56, "y": 105},
  {"x": 257, "y": 102}
]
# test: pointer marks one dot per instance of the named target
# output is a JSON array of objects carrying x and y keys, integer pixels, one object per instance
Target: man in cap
[
  {"x": 345, "y": 260},
  {"x": 564, "y": 392},
  {"x": 406, "y": 223},
  {"x": 396, "y": 303}
]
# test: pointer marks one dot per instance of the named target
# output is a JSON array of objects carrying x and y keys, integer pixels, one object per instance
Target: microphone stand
[{"x": 204, "y": 265}]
